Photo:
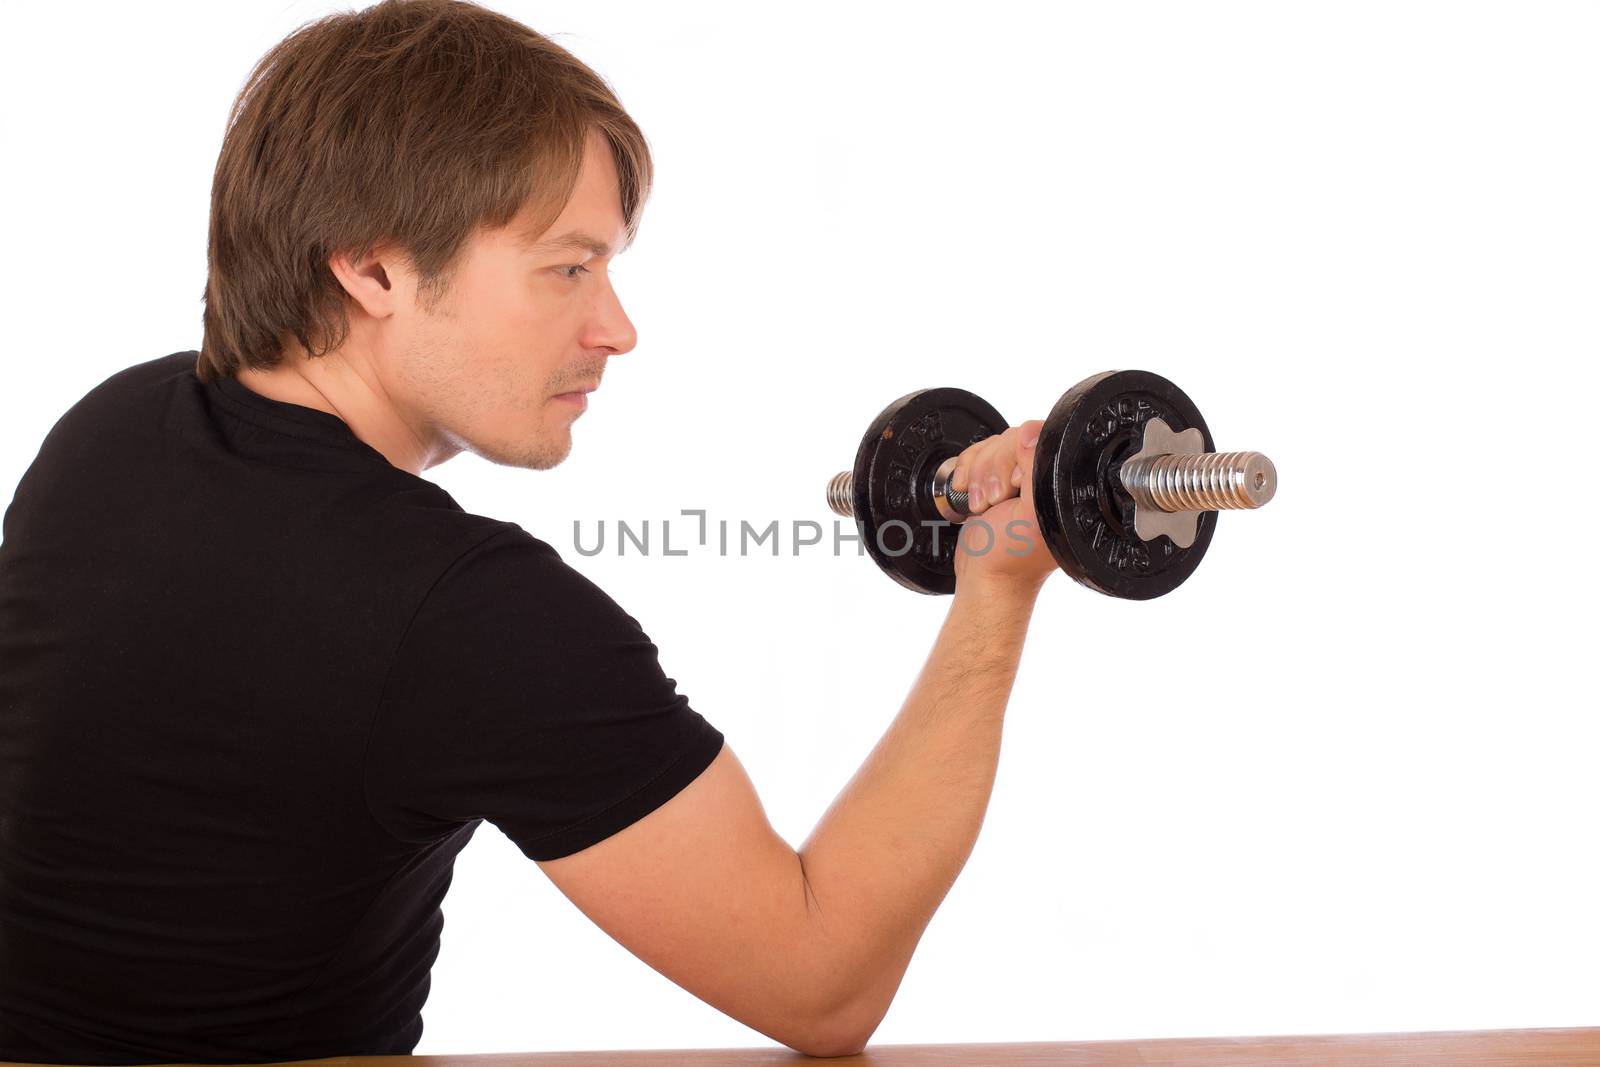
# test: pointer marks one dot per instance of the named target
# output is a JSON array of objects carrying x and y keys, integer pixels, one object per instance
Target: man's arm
[
  {"x": 883, "y": 857},
  {"x": 810, "y": 947}
]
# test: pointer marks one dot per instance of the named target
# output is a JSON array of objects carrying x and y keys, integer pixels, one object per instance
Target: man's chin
[{"x": 534, "y": 456}]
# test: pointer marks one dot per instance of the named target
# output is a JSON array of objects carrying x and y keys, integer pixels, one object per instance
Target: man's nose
[{"x": 611, "y": 327}]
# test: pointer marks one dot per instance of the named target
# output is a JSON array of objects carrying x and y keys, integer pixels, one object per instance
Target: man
[{"x": 260, "y": 681}]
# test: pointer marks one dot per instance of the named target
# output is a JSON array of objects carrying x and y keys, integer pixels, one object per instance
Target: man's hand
[{"x": 1001, "y": 540}]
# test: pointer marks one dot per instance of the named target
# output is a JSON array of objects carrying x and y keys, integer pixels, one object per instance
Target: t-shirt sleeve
[{"x": 523, "y": 694}]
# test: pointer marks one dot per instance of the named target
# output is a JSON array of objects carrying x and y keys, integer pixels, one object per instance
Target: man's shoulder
[
  {"x": 498, "y": 554},
  {"x": 145, "y": 373},
  {"x": 497, "y": 548},
  {"x": 113, "y": 391}
]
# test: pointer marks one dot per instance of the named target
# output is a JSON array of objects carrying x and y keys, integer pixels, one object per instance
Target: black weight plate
[
  {"x": 1085, "y": 515},
  {"x": 893, "y": 483}
]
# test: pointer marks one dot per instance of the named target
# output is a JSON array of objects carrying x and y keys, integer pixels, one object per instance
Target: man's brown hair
[{"x": 411, "y": 122}]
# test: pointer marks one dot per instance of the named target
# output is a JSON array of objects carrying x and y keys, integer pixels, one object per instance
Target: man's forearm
[{"x": 889, "y": 848}]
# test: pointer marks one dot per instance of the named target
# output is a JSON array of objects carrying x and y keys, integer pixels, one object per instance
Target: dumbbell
[{"x": 1126, "y": 484}]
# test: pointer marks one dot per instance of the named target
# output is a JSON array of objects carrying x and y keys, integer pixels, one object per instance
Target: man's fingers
[
  {"x": 984, "y": 487},
  {"x": 971, "y": 460},
  {"x": 994, "y": 469}
]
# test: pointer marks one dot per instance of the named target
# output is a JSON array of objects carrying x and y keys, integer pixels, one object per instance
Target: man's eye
[{"x": 568, "y": 272}]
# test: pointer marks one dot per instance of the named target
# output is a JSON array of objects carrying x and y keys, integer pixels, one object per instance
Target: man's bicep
[{"x": 704, "y": 891}]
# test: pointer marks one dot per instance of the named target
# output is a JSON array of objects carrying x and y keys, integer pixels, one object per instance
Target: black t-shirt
[{"x": 258, "y": 687}]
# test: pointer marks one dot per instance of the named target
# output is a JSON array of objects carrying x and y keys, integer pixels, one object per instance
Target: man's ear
[{"x": 378, "y": 281}]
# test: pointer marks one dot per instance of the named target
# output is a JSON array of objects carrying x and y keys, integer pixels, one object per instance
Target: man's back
[{"x": 258, "y": 687}]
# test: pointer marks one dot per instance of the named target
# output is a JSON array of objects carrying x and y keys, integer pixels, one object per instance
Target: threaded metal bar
[
  {"x": 841, "y": 493},
  {"x": 1202, "y": 481},
  {"x": 839, "y": 490}
]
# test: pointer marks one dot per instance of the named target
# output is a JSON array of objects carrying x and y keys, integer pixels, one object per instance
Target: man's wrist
[{"x": 1014, "y": 589}]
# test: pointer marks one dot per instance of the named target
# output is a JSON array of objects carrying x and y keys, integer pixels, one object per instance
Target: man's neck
[{"x": 335, "y": 385}]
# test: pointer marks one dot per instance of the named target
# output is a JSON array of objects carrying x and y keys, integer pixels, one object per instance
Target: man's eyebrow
[{"x": 576, "y": 240}]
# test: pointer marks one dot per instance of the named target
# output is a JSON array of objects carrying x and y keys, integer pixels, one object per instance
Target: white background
[{"x": 1342, "y": 780}]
